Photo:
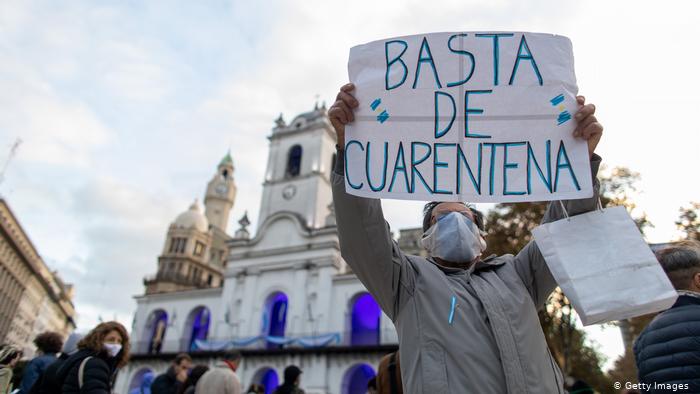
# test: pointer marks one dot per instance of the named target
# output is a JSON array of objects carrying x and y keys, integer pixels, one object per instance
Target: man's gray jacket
[{"x": 493, "y": 342}]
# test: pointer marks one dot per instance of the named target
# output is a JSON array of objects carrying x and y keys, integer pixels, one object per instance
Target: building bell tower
[
  {"x": 299, "y": 167},
  {"x": 220, "y": 195},
  {"x": 195, "y": 250}
]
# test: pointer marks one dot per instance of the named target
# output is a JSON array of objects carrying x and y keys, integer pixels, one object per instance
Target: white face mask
[
  {"x": 113, "y": 349},
  {"x": 454, "y": 238}
]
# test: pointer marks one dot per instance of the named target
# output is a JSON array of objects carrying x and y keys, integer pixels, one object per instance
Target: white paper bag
[{"x": 601, "y": 262}]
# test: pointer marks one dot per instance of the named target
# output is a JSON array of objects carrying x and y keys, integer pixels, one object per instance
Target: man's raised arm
[
  {"x": 365, "y": 239},
  {"x": 529, "y": 262}
]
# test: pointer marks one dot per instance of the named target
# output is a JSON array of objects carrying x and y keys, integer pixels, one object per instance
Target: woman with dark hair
[
  {"x": 48, "y": 344},
  {"x": 192, "y": 379},
  {"x": 9, "y": 356},
  {"x": 92, "y": 369}
]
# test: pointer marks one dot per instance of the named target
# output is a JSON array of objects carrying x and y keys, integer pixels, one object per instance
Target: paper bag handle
[{"x": 599, "y": 206}]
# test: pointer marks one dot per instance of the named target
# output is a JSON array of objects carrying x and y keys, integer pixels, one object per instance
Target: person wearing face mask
[
  {"x": 91, "y": 370},
  {"x": 467, "y": 323}
]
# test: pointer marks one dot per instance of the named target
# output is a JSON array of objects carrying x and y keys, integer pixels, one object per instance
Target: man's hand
[
  {"x": 341, "y": 112},
  {"x": 588, "y": 127}
]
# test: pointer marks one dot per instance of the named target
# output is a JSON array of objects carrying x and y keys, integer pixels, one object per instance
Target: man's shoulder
[
  {"x": 686, "y": 316},
  {"x": 96, "y": 363},
  {"x": 166, "y": 377},
  {"x": 225, "y": 370},
  {"x": 220, "y": 372},
  {"x": 44, "y": 360},
  {"x": 677, "y": 314},
  {"x": 214, "y": 378},
  {"x": 163, "y": 378}
]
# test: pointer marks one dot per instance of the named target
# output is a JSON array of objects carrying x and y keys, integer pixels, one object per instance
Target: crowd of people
[
  {"x": 89, "y": 365},
  {"x": 81, "y": 364},
  {"x": 182, "y": 377}
]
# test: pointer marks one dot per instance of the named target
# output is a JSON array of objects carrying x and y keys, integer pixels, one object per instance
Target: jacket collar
[
  {"x": 687, "y": 298},
  {"x": 489, "y": 262}
]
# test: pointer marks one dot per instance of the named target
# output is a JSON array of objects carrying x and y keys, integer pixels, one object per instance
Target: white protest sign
[{"x": 479, "y": 117}]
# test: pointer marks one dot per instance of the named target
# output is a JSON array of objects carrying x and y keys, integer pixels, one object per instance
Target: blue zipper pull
[{"x": 452, "y": 310}]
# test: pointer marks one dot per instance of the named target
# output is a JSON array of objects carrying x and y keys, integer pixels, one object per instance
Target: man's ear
[{"x": 696, "y": 281}]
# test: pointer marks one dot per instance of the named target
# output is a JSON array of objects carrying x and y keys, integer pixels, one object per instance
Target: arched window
[
  {"x": 275, "y": 317},
  {"x": 197, "y": 327},
  {"x": 154, "y": 331},
  {"x": 356, "y": 378},
  {"x": 294, "y": 161},
  {"x": 141, "y": 381},
  {"x": 364, "y": 320},
  {"x": 268, "y": 378}
]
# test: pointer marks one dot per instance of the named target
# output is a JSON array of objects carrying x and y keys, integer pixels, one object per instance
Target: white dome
[{"x": 193, "y": 217}]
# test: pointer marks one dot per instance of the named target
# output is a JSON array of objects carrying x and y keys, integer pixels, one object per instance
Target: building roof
[
  {"x": 310, "y": 116},
  {"x": 227, "y": 160},
  {"x": 302, "y": 120},
  {"x": 193, "y": 217}
]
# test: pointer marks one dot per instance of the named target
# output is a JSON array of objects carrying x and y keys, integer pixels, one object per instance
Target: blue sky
[{"x": 125, "y": 108}]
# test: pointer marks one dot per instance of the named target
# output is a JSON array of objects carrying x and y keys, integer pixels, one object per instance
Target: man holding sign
[{"x": 466, "y": 324}]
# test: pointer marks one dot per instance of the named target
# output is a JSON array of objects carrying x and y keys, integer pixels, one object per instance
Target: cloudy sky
[{"x": 125, "y": 108}]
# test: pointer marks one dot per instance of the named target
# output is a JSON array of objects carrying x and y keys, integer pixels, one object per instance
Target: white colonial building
[{"x": 281, "y": 296}]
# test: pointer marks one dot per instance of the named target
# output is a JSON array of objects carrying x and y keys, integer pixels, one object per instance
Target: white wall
[
  {"x": 319, "y": 297},
  {"x": 178, "y": 306}
]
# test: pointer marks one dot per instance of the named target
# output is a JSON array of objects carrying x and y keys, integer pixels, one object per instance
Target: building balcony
[{"x": 261, "y": 344}]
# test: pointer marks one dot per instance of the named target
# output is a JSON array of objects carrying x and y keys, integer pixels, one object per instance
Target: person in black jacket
[
  {"x": 191, "y": 382},
  {"x": 92, "y": 369},
  {"x": 170, "y": 381},
  {"x": 668, "y": 350},
  {"x": 292, "y": 378}
]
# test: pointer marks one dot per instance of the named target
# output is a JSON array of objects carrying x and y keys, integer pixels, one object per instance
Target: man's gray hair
[{"x": 681, "y": 261}]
